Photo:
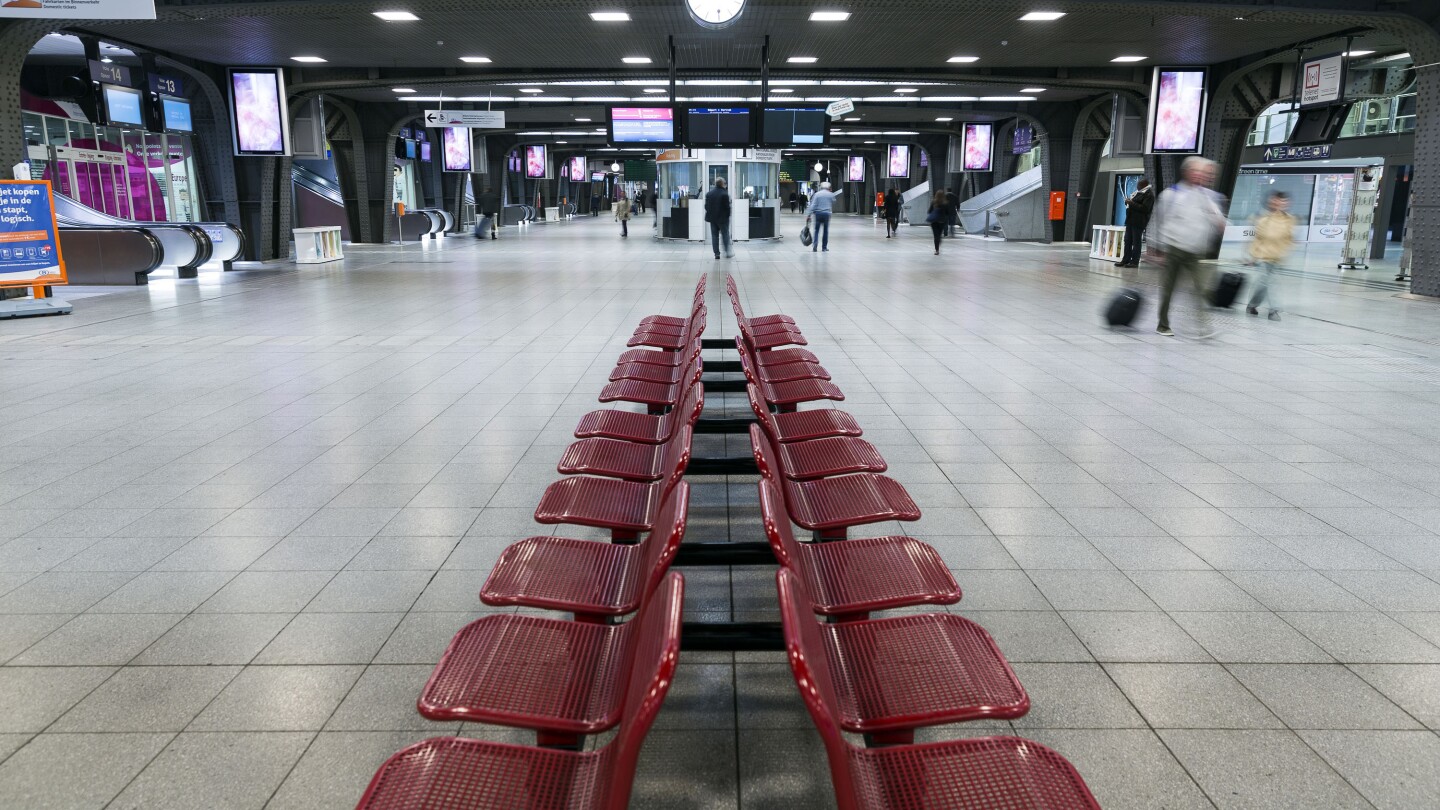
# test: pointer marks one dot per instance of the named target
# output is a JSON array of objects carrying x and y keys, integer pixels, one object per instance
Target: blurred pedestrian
[
  {"x": 822, "y": 205},
  {"x": 794, "y": 198},
  {"x": 1138, "y": 207},
  {"x": 622, "y": 214},
  {"x": 892, "y": 213},
  {"x": 717, "y": 213},
  {"x": 952, "y": 215},
  {"x": 1274, "y": 239},
  {"x": 1188, "y": 221},
  {"x": 938, "y": 216}
]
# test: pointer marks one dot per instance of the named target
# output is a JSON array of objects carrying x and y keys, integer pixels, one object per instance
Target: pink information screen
[
  {"x": 856, "y": 173},
  {"x": 257, "y": 97},
  {"x": 1178, "y": 109},
  {"x": 455, "y": 143},
  {"x": 897, "y": 162},
  {"x": 978, "y": 146}
]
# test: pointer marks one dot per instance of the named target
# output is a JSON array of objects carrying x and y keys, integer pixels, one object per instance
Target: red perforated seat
[
  {"x": 825, "y": 458},
  {"x": 849, "y": 579},
  {"x": 656, "y": 372},
  {"x": 655, "y": 396},
  {"x": 781, "y": 372},
  {"x": 781, "y": 357},
  {"x": 642, "y": 427},
  {"x": 786, "y": 395},
  {"x": 653, "y": 357},
  {"x": 829, "y": 506},
  {"x": 672, "y": 320},
  {"x": 762, "y": 320},
  {"x": 669, "y": 342},
  {"x": 800, "y": 426},
  {"x": 613, "y": 458},
  {"x": 453, "y": 772},
  {"x": 891, "y": 676},
  {"x": 626, "y": 508},
  {"x": 773, "y": 340},
  {"x": 593, "y": 580}
]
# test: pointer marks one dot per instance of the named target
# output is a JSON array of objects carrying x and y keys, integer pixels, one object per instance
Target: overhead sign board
[
  {"x": 29, "y": 246},
  {"x": 1322, "y": 80},
  {"x": 79, "y": 9},
  {"x": 1280, "y": 152},
  {"x": 475, "y": 119},
  {"x": 109, "y": 73},
  {"x": 166, "y": 85},
  {"x": 844, "y": 106}
]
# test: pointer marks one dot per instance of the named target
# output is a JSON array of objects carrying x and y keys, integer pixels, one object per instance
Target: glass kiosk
[{"x": 685, "y": 175}]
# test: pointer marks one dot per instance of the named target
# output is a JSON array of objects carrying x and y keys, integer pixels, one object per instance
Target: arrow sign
[
  {"x": 475, "y": 119},
  {"x": 841, "y": 107}
]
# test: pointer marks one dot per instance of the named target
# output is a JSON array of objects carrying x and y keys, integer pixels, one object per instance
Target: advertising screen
[
  {"x": 856, "y": 173},
  {"x": 597, "y": 177},
  {"x": 1177, "y": 110},
  {"x": 258, "y": 115},
  {"x": 425, "y": 151},
  {"x": 455, "y": 146},
  {"x": 177, "y": 114},
  {"x": 652, "y": 125},
  {"x": 897, "y": 162},
  {"x": 1317, "y": 126},
  {"x": 537, "y": 163},
  {"x": 790, "y": 126},
  {"x": 978, "y": 147},
  {"x": 578, "y": 169},
  {"x": 1024, "y": 139},
  {"x": 724, "y": 126},
  {"x": 122, "y": 105}
]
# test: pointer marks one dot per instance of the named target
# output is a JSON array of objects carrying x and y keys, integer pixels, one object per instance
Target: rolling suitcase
[
  {"x": 1123, "y": 308},
  {"x": 1227, "y": 289}
]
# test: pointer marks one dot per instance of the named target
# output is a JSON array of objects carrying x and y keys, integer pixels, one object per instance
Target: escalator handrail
[{"x": 158, "y": 249}]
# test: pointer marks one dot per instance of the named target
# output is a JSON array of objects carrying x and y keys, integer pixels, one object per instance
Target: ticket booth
[{"x": 683, "y": 176}]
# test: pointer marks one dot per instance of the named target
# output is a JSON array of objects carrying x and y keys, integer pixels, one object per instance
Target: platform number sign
[
  {"x": 166, "y": 85},
  {"x": 29, "y": 242}
]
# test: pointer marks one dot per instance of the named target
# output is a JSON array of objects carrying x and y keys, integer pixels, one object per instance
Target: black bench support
[
  {"x": 717, "y": 343},
  {"x": 760, "y": 636},
  {"x": 722, "y": 465},
  {"x": 714, "y": 424},
  {"x": 713, "y": 554},
  {"x": 722, "y": 386},
  {"x": 724, "y": 366}
]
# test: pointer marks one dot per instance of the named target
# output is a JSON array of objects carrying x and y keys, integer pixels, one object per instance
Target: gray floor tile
[
  {"x": 1073, "y": 696},
  {"x": 1259, "y": 769},
  {"x": 214, "y": 638},
  {"x": 278, "y": 698},
  {"x": 1193, "y": 591},
  {"x": 230, "y": 770},
  {"x": 384, "y": 700},
  {"x": 1253, "y": 637},
  {"x": 1190, "y": 696},
  {"x": 1134, "y": 636},
  {"x": 330, "y": 638},
  {"x": 1364, "y": 638},
  {"x": 95, "y": 639},
  {"x": 217, "y": 554},
  {"x": 336, "y": 768},
  {"x": 403, "y": 553},
  {"x": 1393, "y": 769},
  {"x": 163, "y": 592},
  {"x": 267, "y": 592},
  {"x": 1413, "y": 687},
  {"x": 63, "y": 592},
  {"x": 147, "y": 699},
  {"x": 1091, "y": 590},
  {"x": 370, "y": 591},
  {"x": 32, "y": 697},
  {"x": 1126, "y": 769},
  {"x": 19, "y": 632},
  {"x": 1320, "y": 696},
  {"x": 1031, "y": 635},
  {"x": 75, "y": 770}
]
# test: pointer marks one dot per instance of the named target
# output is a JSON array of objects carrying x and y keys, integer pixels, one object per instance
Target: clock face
[{"x": 715, "y": 13}]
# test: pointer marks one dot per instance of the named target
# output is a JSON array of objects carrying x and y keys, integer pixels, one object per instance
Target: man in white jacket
[{"x": 1187, "y": 221}]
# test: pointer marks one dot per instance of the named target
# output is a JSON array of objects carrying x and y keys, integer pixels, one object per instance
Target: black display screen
[
  {"x": 794, "y": 126},
  {"x": 1318, "y": 125},
  {"x": 725, "y": 126}
]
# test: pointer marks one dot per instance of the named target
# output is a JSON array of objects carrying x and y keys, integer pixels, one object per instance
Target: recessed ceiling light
[
  {"x": 610, "y": 16},
  {"x": 829, "y": 16},
  {"x": 395, "y": 16},
  {"x": 782, "y": 90},
  {"x": 107, "y": 60},
  {"x": 869, "y": 142},
  {"x": 1128, "y": 59},
  {"x": 802, "y": 60},
  {"x": 906, "y": 90},
  {"x": 656, "y": 90},
  {"x": 962, "y": 60},
  {"x": 560, "y": 142},
  {"x": 402, "y": 90},
  {"x": 1043, "y": 16},
  {"x": 476, "y": 60},
  {"x": 583, "y": 120},
  {"x": 1032, "y": 89},
  {"x": 853, "y": 119},
  {"x": 308, "y": 58},
  {"x": 944, "y": 119},
  {"x": 1358, "y": 53},
  {"x": 636, "y": 60},
  {"x": 531, "y": 90}
]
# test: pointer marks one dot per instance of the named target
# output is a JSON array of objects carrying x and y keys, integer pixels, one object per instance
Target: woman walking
[
  {"x": 622, "y": 213},
  {"x": 939, "y": 216},
  {"x": 1274, "y": 239},
  {"x": 892, "y": 213}
]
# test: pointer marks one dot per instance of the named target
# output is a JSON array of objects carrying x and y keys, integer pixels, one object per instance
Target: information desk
[{"x": 318, "y": 244}]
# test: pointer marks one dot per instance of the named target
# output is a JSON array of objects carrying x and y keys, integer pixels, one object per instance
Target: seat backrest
[
  {"x": 677, "y": 457},
  {"x": 777, "y": 524},
  {"x": 762, "y": 410},
  {"x": 764, "y": 454},
  {"x": 803, "y": 647},
  {"x": 691, "y": 406},
  {"x": 664, "y": 539},
  {"x": 655, "y": 651},
  {"x": 747, "y": 364}
]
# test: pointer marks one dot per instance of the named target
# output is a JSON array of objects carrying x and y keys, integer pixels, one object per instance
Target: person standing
[
  {"x": 952, "y": 212},
  {"x": 717, "y": 213},
  {"x": 938, "y": 216},
  {"x": 892, "y": 213},
  {"x": 490, "y": 210},
  {"x": 1138, "y": 207},
  {"x": 1187, "y": 222},
  {"x": 595, "y": 202},
  {"x": 822, "y": 205},
  {"x": 1274, "y": 239},
  {"x": 804, "y": 202},
  {"x": 622, "y": 214},
  {"x": 793, "y": 199}
]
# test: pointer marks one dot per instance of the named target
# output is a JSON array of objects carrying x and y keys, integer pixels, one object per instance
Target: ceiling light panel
[
  {"x": 610, "y": 16},
  {"x": 475, "y": 60},
  {"x": 308, "y": 59},
  {"x": 829, "y": 16},
  {"x": 962, "y": 60},
  {"x": 396, "y": 16},
  {"x": 803, "y": 60},
  {"x": 1129, "y": 59},
  {"x": 1043, "y": 16},
  {"x": 636, "y": 60}
]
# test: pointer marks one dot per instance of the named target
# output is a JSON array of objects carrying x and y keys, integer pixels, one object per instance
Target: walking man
[
  {"x": 1188, "y": 221},
  {"x": 717, "y": 213},
  {"x": 1138, "y": 207},
  {"x": 822, "y": 205}
]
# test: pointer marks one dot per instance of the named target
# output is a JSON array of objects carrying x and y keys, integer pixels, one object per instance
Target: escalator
[
  {"x": 1014, "y": 210},
  {"x": 319, "y": 201},
  {"x": 184, "y": 245}
]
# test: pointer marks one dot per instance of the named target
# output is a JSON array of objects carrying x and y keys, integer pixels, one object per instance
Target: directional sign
[
  {"x": 475, "y": 119},
  {"x": 842, "y": 107},
  {"x": 1281, "y": 152},
  {"x": 166, "y": 85},
  {"x": 110, "y": 73},
  {"x": 29, "y": 249}
]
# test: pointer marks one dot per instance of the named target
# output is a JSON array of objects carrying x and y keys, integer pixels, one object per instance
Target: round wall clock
[{"x": 715, "y": 13}]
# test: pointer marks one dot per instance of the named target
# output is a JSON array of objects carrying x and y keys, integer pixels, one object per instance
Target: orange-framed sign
[
  {"x": 29, "y": 235},
  {"x": 1057, "y": 205}
]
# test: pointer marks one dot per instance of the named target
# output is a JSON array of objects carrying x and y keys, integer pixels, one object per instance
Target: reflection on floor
[{"x": 242, "y": 516}]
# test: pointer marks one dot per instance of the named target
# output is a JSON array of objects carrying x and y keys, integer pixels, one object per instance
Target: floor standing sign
[
  {"x": 29, "y": 248},
  {"x": 1362, "y": 219}
]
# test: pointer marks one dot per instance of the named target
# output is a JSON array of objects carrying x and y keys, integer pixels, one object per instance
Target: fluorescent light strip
[
  {"x": 396, "y": 16},
  {"x": 803, "y": 60},
  {"x": 962, "y": 60},
  {"x": 402, "y": 90},
  {"x": 475, "y": 60},
  {"x": 636, "y": 60},
  {"x": 1129, "y": 59},
  {"x": 1006, "y": 98},
  {"x": 308, "y": 59},
  {"x": 610, "y": 16},
  {"x": 829, "y": 16},
  {"x": 1042, "y": 16},
  {"x": 1032, "y": 89},
  {"x": 949, "y": 98}
]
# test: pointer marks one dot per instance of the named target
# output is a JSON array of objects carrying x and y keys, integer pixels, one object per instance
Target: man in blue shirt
[{"x": 822, "y": 205}]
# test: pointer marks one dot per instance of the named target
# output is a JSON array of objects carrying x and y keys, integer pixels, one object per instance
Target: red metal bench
[
  {"x": 776, "y": 371},
  {"x": 888, "y": 677},
  {"x": 594, "y": 580},
  {"x": 626, "y": 508},
  {"x": 800, "y": 426},
  {"x": 830, "y": 506},
  {"x": 643, "y": 427},
  {"x": 658, "y": 397},
  {"x": 562, "y": 679},
  {"x": 454, "y": 772},
  {"x": 763, "y": 320},
  {"x": 786, "y": 395},
  {"x": 669, "y": 342},
  {"x": 849, "y": 580},
  {"x": 632, "y": 461},
  {"x": 672, "y": 320}
]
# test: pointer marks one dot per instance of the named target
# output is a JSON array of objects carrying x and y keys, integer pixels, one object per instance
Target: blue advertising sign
[
  {"x": 29, "y": 247},
  {"x": 166, "y": 85},
  {"x": 110, "y": 73}
]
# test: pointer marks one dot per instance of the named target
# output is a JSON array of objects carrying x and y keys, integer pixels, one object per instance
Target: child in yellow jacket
[{"x": 1274, "y": 239}]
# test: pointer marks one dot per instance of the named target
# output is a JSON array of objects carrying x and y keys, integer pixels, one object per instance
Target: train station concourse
[{"x": 719, "y": 405}]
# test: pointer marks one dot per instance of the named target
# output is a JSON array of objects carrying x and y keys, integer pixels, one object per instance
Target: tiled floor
[{"x": 240, "y": 518}]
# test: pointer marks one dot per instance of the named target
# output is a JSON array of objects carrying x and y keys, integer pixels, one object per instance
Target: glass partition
[{"x": 756, "y": 182}]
